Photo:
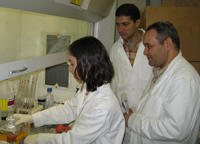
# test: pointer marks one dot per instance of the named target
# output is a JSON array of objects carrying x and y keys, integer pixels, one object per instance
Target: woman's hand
[{"x": 21, "y": 118}]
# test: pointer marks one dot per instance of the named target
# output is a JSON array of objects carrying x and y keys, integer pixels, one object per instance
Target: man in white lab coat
[
  {"x": 168, "y": 112},
  {"x": 132, "y": 70}
]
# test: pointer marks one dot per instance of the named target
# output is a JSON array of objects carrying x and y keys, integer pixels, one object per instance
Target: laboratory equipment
[
  {"x": 11, "y": 138},
  {"x": 26, "y": 94},
  {"x": 3, "y": 142},
  {"x": 49, "y": 98},
  {"x": 7, "y": 97},
  {"x": 88, "y": 10},
  {"x": 42, "y": 100},
  {"x": 21, "y": 136},
  {"x": 24, "y": 103},
  {"x": 11, "y": 120},
  {"x": 124, "y": 102},
  {"x": 10, "y": 126},
  {"x": 61, "y": 127}
]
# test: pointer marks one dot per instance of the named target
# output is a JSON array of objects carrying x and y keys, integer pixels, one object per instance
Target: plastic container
[
  {"x": 11, "y": 138},
  {"x": 10, "y": 126},
  {"x": 42, "y": 100},
  {"x": 15, "y": 130},
  {"x": 6, "y": 97},
  {"x": 49, "y": 98}
]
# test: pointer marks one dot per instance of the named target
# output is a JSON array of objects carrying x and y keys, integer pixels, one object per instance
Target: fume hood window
[
  {"x": 58, "y": 74},
  {"x": 57, "y": 43}
]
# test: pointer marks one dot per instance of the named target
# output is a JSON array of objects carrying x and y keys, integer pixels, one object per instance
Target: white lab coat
[
  {"x": 169, "y": 112},
  {"x": 128, "y": 79},
  {"x": 98, "y": 119}
]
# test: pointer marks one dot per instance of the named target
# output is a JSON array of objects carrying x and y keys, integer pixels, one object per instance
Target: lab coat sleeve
[
  {"x": 177, "y": 117},
  {"x": 88, "y": 128},
  {"x": 133, "y": 108},
  {"x": 58, "y": 114},
  {"x": 113, "y": 82}
]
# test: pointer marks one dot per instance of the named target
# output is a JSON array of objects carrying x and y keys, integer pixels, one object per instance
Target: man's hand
[
  {"x": 130, "y": 111},
  {"x": 126, "y": 116}
]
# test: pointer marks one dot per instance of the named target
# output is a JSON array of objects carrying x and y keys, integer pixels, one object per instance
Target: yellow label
[
  {"x": 77, "y": 2},
  {"x": 4, "y": 104}
]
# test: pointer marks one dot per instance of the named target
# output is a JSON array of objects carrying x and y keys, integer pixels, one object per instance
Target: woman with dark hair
[
  {"x": 93, "y": 65},
  {"x": 94, "y": 108}
]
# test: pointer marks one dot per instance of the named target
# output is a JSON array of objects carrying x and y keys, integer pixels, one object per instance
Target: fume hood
[{"x": 87, "y": 10}]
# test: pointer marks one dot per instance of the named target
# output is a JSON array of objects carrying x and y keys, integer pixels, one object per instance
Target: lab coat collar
[
  {"x": 139, "y": 55},
  {"x": 169, "y": 69},
  {"x": 81, "y": 98},
  {"x": 120, "y": 50},
  {"x": 174, "y": 62}
]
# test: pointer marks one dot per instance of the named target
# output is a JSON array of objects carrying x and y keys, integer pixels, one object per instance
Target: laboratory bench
[{"x": 29, "y": 129}]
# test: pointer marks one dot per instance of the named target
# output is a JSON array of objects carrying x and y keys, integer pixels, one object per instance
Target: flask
[
  {"x": 42, "y": 100},
  {"x": 49, "y": 98},
  {"x": 11, "y": 138}
]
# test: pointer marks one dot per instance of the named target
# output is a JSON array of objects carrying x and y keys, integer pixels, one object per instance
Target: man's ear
[
  {"x": 168, "y": 43},
  {"x": 137, "y": 23}
]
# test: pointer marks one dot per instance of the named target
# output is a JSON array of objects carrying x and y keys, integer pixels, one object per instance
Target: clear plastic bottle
[{"x": 49, "y": 98}]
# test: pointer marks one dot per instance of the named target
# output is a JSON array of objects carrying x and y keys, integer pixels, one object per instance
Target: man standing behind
[
  {"x": 132, "y": 71},
  {"x": 168, "y": 112}
]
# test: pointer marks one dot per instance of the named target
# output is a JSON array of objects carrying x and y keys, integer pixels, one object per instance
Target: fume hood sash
[{"x": 88, "y": 10}]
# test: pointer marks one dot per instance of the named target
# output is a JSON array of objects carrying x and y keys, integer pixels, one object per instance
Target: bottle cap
[
  {"x": 11, "y": 137},
  {"x": 41, "y": 100},
  {"x": 49, "y": 89}
]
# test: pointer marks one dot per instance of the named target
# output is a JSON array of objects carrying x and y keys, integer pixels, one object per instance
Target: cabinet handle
[{"x": 17, "y": 71}]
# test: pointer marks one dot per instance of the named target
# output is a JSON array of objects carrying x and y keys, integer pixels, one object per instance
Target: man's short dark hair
[
  {"x": 128, "y": 10},
  {"x": 165, "y": 30}
]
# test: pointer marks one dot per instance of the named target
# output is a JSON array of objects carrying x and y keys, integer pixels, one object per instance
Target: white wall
[{"x": 105, "y": 29}]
